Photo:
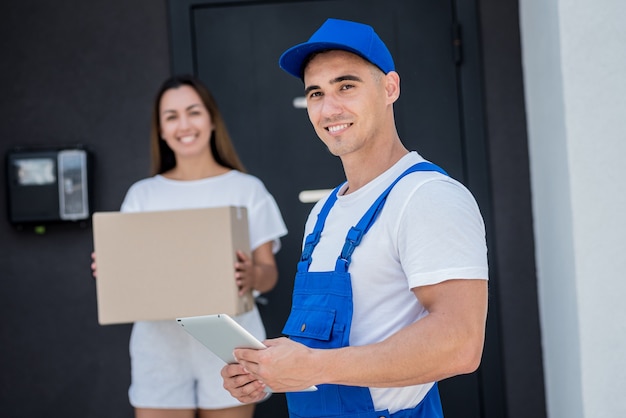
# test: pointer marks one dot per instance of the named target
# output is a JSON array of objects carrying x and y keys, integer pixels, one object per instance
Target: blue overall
[{"x": 321, "y": 317}]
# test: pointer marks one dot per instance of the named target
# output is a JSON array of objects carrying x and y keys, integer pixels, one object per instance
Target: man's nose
[{"x": 331, "y": 106}]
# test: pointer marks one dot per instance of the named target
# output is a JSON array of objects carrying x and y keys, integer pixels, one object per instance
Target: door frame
[{"x": 466, "y": 36}]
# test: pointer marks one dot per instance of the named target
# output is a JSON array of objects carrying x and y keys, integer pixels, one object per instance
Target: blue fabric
[
  {"x": 354, "y": 37},
  {"x": 321, "y": 317},
  {"x": 429, "y": 407}
]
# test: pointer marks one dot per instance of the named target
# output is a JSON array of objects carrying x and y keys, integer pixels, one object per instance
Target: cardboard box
[{"x": 169, "y": 264}]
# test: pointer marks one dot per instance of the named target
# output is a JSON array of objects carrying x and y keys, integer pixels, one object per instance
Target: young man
[{"x": 391, "y": 291}]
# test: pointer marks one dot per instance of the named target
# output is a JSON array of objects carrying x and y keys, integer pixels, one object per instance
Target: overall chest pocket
[{"x": 315, "y": 328}]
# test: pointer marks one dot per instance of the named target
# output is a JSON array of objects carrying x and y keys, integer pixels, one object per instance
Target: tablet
[{"x": 222, "y": 334}]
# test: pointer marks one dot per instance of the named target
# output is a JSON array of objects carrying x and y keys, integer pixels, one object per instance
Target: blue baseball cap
[{"x": 354, "y": 37}]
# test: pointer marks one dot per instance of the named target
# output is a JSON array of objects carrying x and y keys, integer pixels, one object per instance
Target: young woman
[{"x": 195, "y": 166}]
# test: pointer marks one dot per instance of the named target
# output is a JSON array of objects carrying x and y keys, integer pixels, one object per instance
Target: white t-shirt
[
  {"x": 430, "y": 230},
  {"x": 164, "y": 358},
  {"x": 230, "y": 189}
]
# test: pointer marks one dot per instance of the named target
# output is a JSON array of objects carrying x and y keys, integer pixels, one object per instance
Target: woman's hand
[
  {"x": 244, "y": 273},
  {"x": 93, "y": 265},
  {"x": 258, "y": 272}
]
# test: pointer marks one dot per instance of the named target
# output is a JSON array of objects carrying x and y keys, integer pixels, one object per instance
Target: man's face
[{"x": 346, "y": 101}]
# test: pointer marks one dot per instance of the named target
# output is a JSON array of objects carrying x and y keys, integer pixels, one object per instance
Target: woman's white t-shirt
[{"x": 163, "y": 356}]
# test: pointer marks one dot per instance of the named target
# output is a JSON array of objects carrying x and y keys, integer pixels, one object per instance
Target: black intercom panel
[{"x": 48, "y": 185}]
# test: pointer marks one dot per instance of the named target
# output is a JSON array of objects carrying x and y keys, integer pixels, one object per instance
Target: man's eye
[
  {"x": 347, "y": 86},
  {"x": 315, "y": 94}
]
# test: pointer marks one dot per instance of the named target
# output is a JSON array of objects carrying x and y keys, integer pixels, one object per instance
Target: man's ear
[{"x": 392, "y": 86}]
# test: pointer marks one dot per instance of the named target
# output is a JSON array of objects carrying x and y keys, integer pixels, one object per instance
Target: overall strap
[
  {"x": 356, "y": 233},
  {"x": 314, "y": 237}
]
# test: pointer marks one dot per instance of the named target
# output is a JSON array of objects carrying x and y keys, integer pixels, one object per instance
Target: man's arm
[{"x": 446, "y": 342}]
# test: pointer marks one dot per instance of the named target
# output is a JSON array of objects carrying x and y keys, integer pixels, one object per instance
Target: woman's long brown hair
[{"x": 222, "y": 148}]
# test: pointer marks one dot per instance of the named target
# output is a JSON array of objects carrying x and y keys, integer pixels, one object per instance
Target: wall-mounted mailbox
[{"x": 48, "y": 185}]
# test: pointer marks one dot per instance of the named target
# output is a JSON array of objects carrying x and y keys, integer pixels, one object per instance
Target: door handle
[{"x": 312, "y": 196}]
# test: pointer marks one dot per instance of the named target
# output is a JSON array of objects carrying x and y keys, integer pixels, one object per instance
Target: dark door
[{"x": 234, "y": 47}]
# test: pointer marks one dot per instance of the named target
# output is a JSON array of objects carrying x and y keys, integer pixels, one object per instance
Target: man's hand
[
  {"x": 284, "y": 366},
  {"x": 242, "y": 385}
]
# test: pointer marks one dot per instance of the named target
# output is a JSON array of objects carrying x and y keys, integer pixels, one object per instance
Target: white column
[{"x": 574, "y": 58}]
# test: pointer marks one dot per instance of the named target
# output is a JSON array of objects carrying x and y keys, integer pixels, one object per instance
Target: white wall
[{"x": 574, "y": 57}]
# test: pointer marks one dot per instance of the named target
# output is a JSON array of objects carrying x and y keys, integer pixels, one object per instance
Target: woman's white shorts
[{"x": 171, "y": 369}]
